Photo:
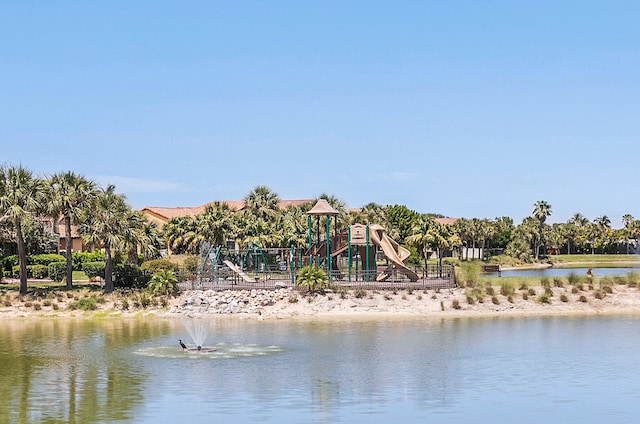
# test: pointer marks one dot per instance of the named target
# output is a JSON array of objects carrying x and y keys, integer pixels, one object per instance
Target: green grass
[{"x": 600, "y": 260}]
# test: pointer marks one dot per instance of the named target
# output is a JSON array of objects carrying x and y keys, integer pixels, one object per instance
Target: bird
[{"x": 184, "y": 347}]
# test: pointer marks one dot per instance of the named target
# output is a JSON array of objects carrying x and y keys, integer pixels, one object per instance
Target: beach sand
[{"x": 291, "y": 304}]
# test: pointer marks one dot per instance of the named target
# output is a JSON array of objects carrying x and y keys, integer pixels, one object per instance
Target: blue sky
[{"x": 464, "y": 108}]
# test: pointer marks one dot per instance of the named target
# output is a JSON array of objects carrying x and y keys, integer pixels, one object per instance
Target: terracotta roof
[
  {"x": 447, "y": 221},
  {"x": 161, "y": 215}
]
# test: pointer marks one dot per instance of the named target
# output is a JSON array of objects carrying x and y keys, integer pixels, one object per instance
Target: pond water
[{"x": 524, "y": 370}]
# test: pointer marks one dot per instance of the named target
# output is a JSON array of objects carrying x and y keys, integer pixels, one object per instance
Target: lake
[{"x": 516, "y": 370}]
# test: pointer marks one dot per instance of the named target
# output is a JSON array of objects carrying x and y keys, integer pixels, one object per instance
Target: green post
[
  {"x": 349, "y": 250},
  {"x": 366, "y": 275},
  {"x": 327, "y": 244},
  {"x": 309, "y": 223},
  {"x": 292, "y": 265}
]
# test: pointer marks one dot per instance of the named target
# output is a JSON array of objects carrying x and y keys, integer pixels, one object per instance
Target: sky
[{"x": 474, "y": 109}]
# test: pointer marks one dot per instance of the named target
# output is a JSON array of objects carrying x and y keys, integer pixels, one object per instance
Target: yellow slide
[
  {"x": 238, "y": 271},
  {"x": 392, "y": 250}
]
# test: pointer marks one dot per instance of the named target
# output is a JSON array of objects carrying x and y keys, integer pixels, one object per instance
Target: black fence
[{"x": 431, "y": 277}]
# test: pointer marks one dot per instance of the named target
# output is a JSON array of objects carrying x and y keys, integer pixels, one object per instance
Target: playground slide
[
  {"x": 238, "y": 271},
  {"x": 392, "y": 250}
]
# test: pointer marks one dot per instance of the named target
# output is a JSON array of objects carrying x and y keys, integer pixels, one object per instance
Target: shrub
[
  {"x": 574, "y": 290},
  {"x": 531, "y": 292},
  {"x": 37, "y": 271},
  {"x": 510, "y": 299},
  {"x": 507, "y": 288},
  {"x": 470, "y": 272},
  {"x": 191, "y": 264},
  {"x": 455, "y": 304},
  {"x": 93, "y": 269},
  {"x": 544, "y": 298},
  {"x": 57, "y": 271},
  {"x": 46, "y": 259},
  {"x": 494, "y": 300},
  {"x": 155, "y": 265},
  {"x": 583, "y": 299},
  {"x": 163, "y": 283},
  {"x": 130, "y": 276},
  {"x": 564, "y": 298},
  {"x": 490, "y": 291},
  {"x": 360, "y": 293},
  {"x": 312, "y": 278},
  {"x": 78, "y": 258},
  {"x": 599, "y": 295},
  {"x": 525, "y": 296},
  {"x": 84, "y": 304},
  {"x": 470, "y": 300}
]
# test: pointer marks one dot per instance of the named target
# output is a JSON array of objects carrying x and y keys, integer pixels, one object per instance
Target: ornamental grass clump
[
  {"x": 494, "y": 300},
  {"x": 544, "y": 298},
  {"x": 633, "y": 278},
  {"x": 360, "y": 293},
  {"x": 455, "y": 304},
  {"x": 583, "y": 298},
  {"x": 507, "y": 288}
]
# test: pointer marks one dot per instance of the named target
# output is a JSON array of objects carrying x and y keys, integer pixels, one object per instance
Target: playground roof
[{"x": 323, "y": 208}]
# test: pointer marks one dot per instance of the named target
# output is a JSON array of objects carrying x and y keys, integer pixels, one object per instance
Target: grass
[{"x": 602, "y": 261}]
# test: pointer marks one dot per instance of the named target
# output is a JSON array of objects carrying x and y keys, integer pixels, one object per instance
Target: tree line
[{"x": 104, "y": 220}]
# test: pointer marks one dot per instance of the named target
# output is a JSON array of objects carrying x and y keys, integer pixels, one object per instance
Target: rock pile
[{"x": 230, "y": 301}]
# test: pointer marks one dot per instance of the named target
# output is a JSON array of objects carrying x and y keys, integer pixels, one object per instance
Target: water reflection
[
  {"x": 70, "y": 371},
  {"x": 555, "y": 369}
]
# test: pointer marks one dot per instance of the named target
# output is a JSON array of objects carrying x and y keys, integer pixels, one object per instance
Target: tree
[
  {"x": 400, "y": 221},
  {"x": 143, "y": 236},
  {"x": 262, "y": 203},
  {"x": 21, "y": 195},
  {"x": 105, "y": 224},
  {"x": 541, "y": 211},
  {"x": 69, "y": 195},
  {"x": 215, "y": 224}
]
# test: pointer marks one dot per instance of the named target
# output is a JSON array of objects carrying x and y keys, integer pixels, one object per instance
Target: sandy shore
[{"x": 290, "y": 304}]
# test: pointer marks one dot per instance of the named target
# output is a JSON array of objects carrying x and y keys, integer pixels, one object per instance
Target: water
[{"x": 516, "y": 370}]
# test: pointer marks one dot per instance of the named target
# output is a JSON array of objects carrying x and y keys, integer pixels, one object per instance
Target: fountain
[{"x": 198, "y": 330}]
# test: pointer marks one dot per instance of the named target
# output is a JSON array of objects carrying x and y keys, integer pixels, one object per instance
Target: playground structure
[{"x": 362, "y": 256}]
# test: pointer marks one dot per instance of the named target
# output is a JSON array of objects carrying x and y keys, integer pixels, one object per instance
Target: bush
[
  {"x": 46, "y": 259},
  {"x": 130, "y": 276},
  {"x": 38, "y": 271},
  {"x": 93, "y": 269},
  {"x": 57, "y": 271},
  {"x": 312, "y": 278},
  {"x": 78, "y": 258},
  {"x": 163, "y": 283},
  {"x": 191, "y": 264},
  {"x": 8, "y": 262},
  {"x": 155, "y": 265}
]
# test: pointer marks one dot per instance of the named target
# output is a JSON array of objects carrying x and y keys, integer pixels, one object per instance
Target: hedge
[
  {"x": 37, "y": 271},
  {"x": 94, "y": 269},
  {"x": 79, "y": 258},
  {"x": 57, "y": 271},
  {"x": 155, "y": 265},
  {"x": 46, "y": 258}
]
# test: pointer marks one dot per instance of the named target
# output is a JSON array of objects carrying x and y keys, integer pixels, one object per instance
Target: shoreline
[{"x": 289, "y": 304}]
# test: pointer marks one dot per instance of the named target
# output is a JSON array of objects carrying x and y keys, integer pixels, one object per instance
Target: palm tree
[
  {"x": 627, "y": 221},
  {"x": 21, "y": 196},
  {"x": 69, "y": 195},
  {"x": 215, "y": 224},
  {"x": 422, "y": 237},
  {"x": 106, "y": 225},
  {"x": 142, "y": 236},
  {"x": 541, "y": 211},
  {"x": 262, "y": 203}
]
